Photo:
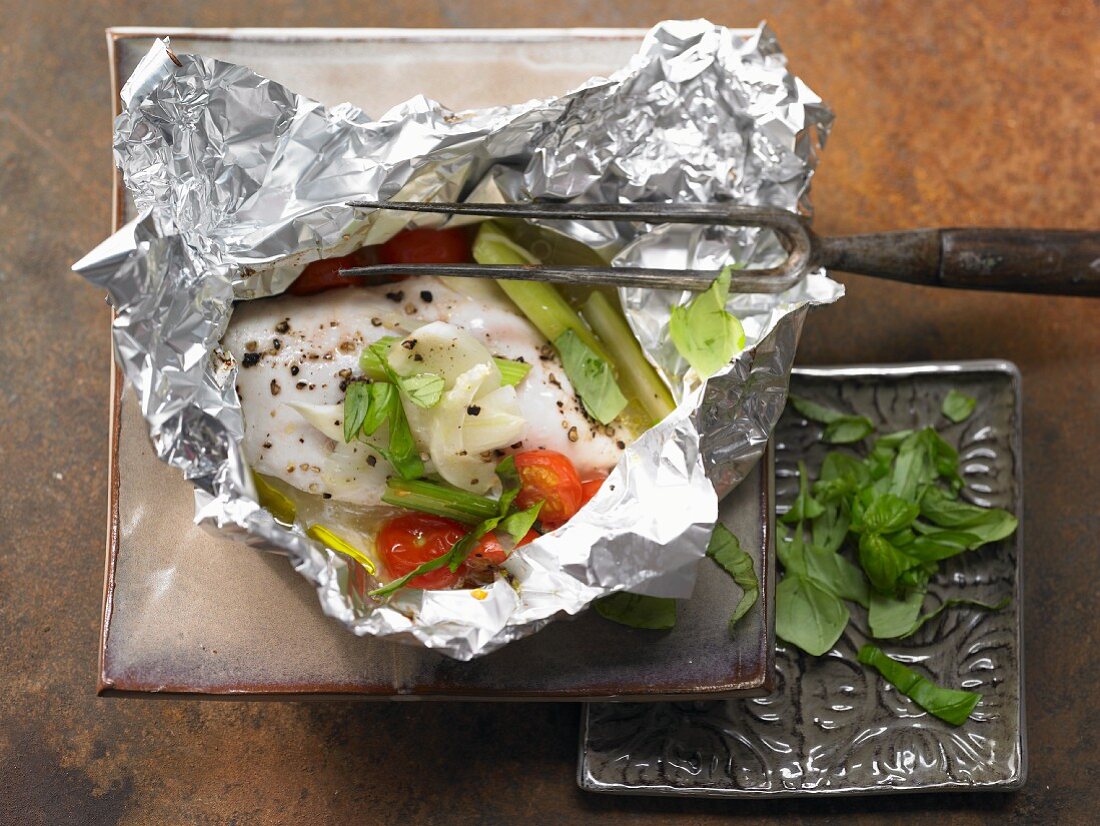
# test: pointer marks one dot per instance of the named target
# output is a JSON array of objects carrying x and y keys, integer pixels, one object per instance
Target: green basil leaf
[
  {"x": 958, "y": 406},
  {"x": 591, "y": 377},
  {"x": 805, "y": 506},
  {"x": 423, "y": 389},
  {"x": 952, "y": 603},
  {"x": 813, "y": 411},
  {"x": 791, "y": 551},
  {"x": 887, "y": 513},
  {"x": 882, "y": 562},
  {"x": 383, "y": 400},
  {"x": 932, "y": 547},
  {"x": 356, "y": 404},
  {"x": 988, "y": 524},
  {"x": 638, "y": 610},
  {"x": 847, "y": 429},
  {"x": 807, "y": 615},
  {"x": 893, "y": 440},
  {"x": 914, "y": 467},
  {"x": 517, "y": 524},
  {"x": 725, "y": 549},
  {"x": 890, "y": 617},
  {"x": 836, "y": 574},
  {"x": 704, "y": 333},
  {"x": 510, "y": 483},
  {"x": 402, "y": 452},
  {"x": 427, "y": 567},
  {"x": 828, "y": 530},
  {"x": 949, "y": 705}
]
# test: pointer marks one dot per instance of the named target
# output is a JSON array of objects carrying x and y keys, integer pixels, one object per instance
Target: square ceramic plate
[
  {"x": 832, "y": 726},
  {"x": 189, "y": 612}
]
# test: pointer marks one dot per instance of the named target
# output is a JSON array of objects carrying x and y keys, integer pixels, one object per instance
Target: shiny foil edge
[{"x": 699, "y": 114}]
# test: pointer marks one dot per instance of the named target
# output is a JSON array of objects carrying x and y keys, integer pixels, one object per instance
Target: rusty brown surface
[{"x": 948, "y": 113}]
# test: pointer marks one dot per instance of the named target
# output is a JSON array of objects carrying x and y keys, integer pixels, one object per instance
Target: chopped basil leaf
[
  {"x": 840, "y": 428},
  {"x": 383, "y": 401},
  {"x": 847, "y": 429},
  {"x": 704, "y": 333},
  {"x": 890, "y": 617},
  {"x": 517, "y": 524},
  {"x": 958, "y": 406},
  {"x": 952, "y": 603},
  {"x": 591, "y": 377},
  {"x": 356, "y": 405},
  {"x": 813, "y": 411},
  {"x": 805, "y": 506},
  {"x": 423, "y": 389},
  {"x": 808, "y": 615},
  {"x": 638, "y": 610},
  {"x": 725, "y": 549},
  {"x": 948, "y": 704}
]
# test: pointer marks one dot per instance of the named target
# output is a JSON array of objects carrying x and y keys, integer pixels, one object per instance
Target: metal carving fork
[{"x": 1059, "y": 262}]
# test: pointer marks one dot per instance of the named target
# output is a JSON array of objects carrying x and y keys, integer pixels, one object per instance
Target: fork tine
[
  {"x": 768, "y": 281},
  {"x": 787, "y": 225},
  {"x": 655, "y": 213}
]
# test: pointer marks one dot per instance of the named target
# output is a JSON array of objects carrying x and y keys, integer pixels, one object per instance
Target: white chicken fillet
[{"x": 296, "y": 355}]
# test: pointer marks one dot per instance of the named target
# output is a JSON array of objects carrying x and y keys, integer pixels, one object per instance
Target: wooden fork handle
[{"x": 1053, "y": 261}]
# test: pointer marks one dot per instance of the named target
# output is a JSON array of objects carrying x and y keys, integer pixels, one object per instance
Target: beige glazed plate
[{"x": 191, "y": 613}]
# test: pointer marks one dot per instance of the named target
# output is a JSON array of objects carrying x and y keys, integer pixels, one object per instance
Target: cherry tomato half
[
  {"x": 412, "y": 539},
  {"x": 324, "y": 274},
  {"x": 426, "y": 246},
  {"x": 489, "y": 552},
  {"x": 549, "y": 477},
  {"x": 590, "y": 489}
]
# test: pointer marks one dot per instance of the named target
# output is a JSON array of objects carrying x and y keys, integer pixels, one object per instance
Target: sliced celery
[
  {"x": 543, "y": 305},
  {"x": 511, "y": 372},
  {"x": 636, "y": 375}
]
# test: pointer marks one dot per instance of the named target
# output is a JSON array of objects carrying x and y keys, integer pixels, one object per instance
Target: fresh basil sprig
[{"x": 948, "y": 704}]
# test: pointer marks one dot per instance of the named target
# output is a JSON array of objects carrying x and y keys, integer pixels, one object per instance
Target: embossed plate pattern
[{"x": 831, "y": 726}]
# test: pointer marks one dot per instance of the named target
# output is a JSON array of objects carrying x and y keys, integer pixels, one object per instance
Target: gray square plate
[{"x": 831, "y": 726}]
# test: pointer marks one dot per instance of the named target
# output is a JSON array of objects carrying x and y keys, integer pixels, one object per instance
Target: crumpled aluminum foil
[{"x": 241, "y": 182}]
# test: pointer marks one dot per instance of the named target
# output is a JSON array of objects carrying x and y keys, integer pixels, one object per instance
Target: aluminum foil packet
[{"x": 240, "y": 183}]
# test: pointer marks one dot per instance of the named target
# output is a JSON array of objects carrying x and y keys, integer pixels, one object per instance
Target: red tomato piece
[
  {"x": 408, "y": 541},
  {"x": 320, "y": 276},
  {"x": 488, "y": 552},
  {"x": 427, "y": 246},
  {"x": 325, "y": 274},
  {"x": 549, "y": 477},
  {"x": 528, "y": 538},
  {"x": 590, "y": 489}
]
